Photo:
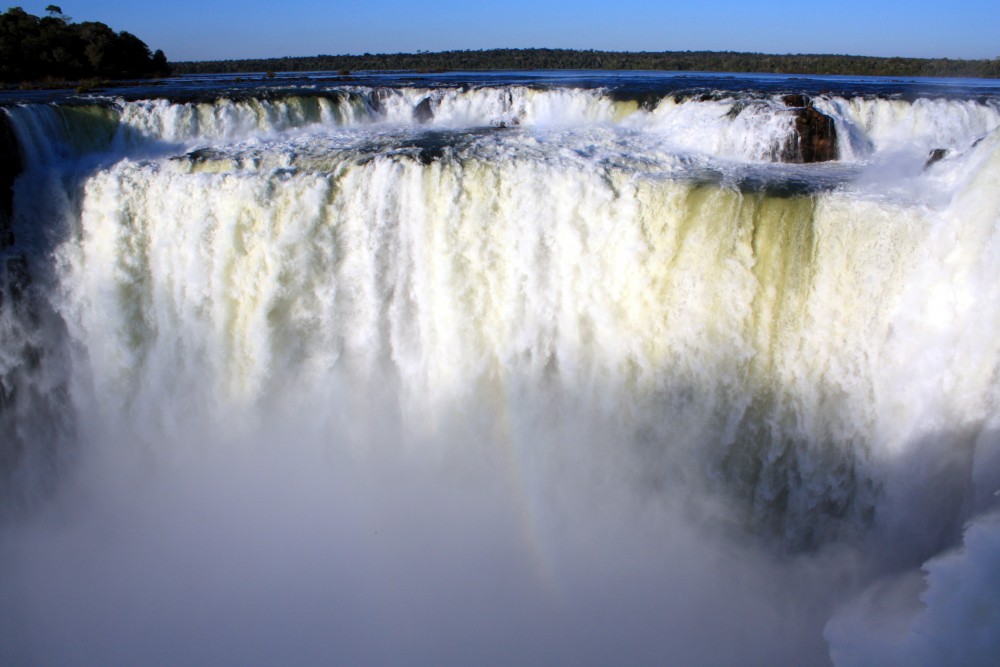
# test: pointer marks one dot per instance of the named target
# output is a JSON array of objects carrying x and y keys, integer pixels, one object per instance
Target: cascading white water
[
  {"x": 527, "y": 376},
  {"x": 726, "y": 127}
]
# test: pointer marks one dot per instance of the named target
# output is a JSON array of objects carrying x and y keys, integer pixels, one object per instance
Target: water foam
[{"x": 381, "y": 357}]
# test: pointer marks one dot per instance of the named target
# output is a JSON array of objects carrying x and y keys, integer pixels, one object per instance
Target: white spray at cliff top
[{"x": 513, "y": 375}]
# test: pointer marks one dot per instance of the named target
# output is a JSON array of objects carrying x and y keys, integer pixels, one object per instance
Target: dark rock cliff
[
  {"x": 10, "y": 167},
  {"x": 815, "y": 138}
]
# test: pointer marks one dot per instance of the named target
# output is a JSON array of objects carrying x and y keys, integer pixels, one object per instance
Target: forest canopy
[
  {"x": 681, "y": 61},
  {"x": 54, "y": 48}
]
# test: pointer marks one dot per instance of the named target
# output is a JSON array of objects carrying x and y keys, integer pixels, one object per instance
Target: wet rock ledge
[
  {"x": 10, "y": 167},
  {"x": 815, "y": 138}
]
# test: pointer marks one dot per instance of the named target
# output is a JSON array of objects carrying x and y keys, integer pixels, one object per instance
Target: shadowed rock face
[
  {"x": 10, "y": 167},
  {"x": 935, "y": 155},
  {"x": 423, "y": 112},
  {"x": 815, "y": 137}
]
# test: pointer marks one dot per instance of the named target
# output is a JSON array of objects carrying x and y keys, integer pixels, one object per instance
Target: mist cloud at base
[
  {"x": 314, "y": 399},
  {"x": 293, "y": 554}
]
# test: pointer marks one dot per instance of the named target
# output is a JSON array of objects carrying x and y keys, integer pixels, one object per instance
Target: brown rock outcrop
[{"x": 815, "y": 137}]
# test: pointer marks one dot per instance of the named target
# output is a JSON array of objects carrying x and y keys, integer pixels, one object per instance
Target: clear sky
[{"x": 221, "y": 29}]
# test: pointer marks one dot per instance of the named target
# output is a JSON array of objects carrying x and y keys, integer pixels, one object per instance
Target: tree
[
  {"x": 160, "y": 65},
  {"x": 33, "y": 48}
]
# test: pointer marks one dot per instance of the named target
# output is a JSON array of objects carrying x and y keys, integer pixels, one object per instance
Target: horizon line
[{"x": 420, "y": 52}]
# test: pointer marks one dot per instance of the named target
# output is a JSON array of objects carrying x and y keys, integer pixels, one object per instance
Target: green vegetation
[
  {"x": 683, "y": 61},
  {"x": 52, "y": 48}
]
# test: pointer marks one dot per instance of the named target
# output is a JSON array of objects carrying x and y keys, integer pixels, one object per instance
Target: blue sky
[{"x": 193, "y": 30}]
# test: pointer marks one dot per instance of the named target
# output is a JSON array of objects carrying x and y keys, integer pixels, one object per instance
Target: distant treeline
[
  {"x": 533, "y": 59},
  {"x": 54, "y": 49}
]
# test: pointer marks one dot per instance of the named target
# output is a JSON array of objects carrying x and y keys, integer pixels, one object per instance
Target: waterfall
[{"x": 405, "y": 374}]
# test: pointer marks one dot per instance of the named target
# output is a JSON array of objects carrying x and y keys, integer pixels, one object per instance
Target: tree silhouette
[
  {"x": 567, "y": 59},
  {"x": 33, "y": 48}
]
